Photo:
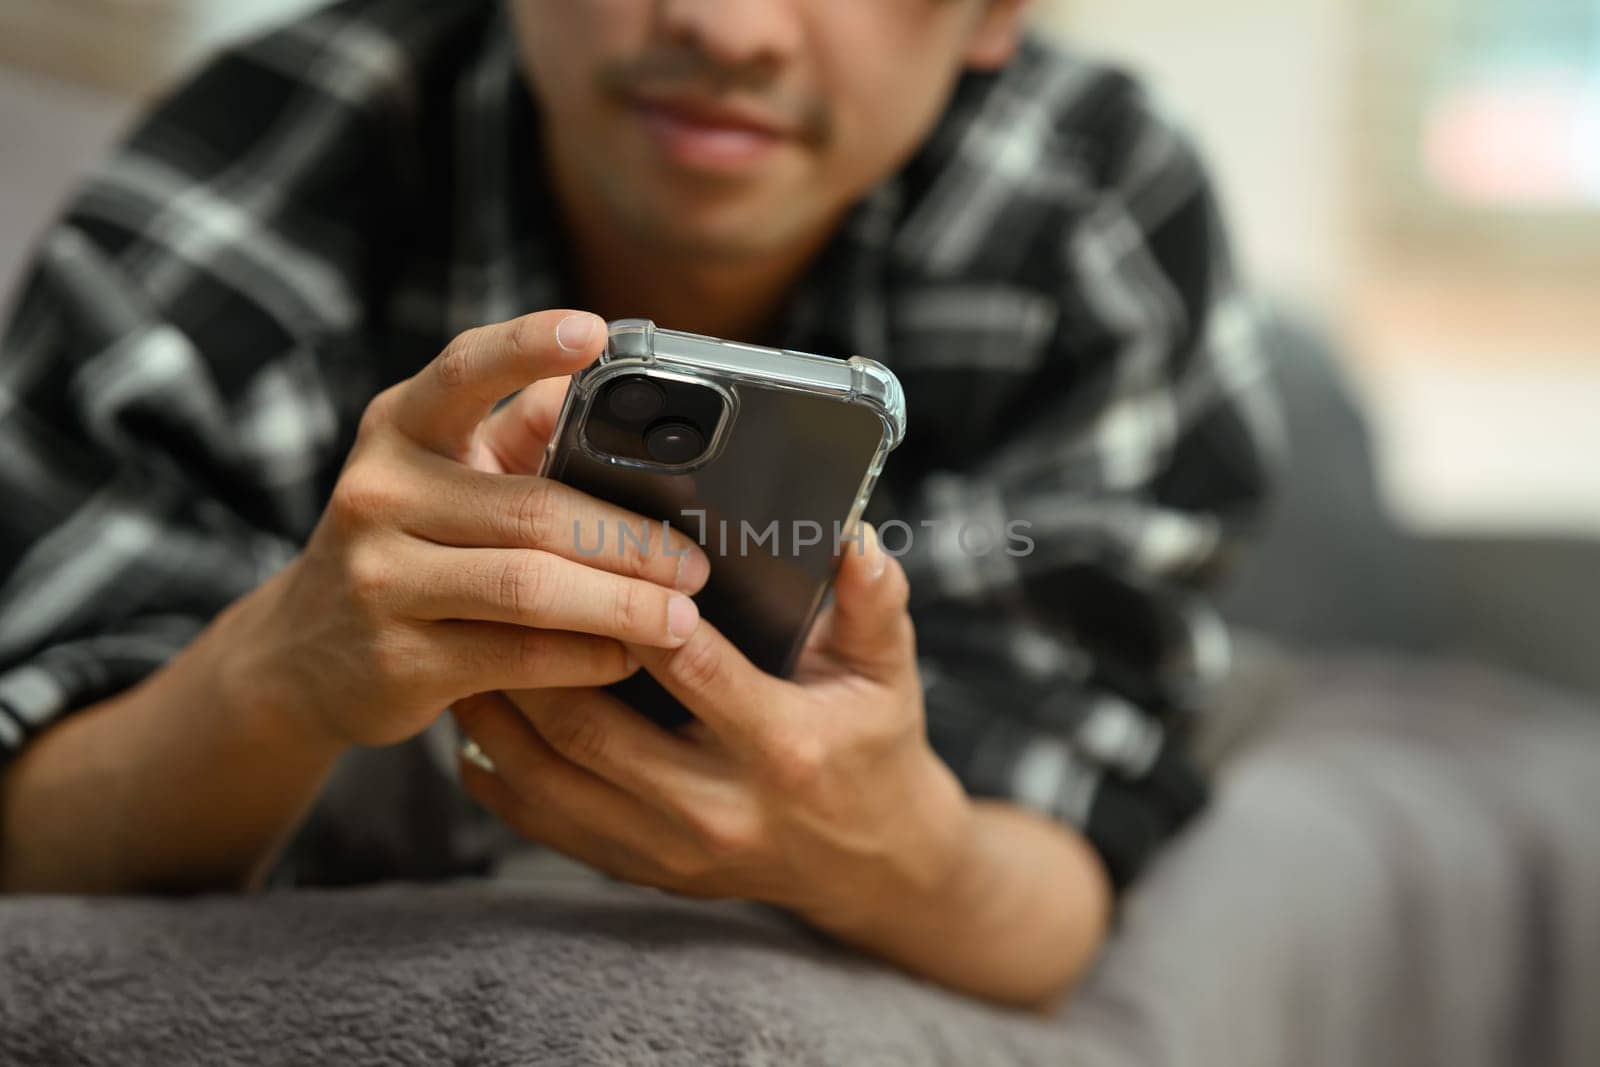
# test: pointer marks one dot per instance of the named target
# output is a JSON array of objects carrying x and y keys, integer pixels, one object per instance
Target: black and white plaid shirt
[{"x": 314, "y": 215}]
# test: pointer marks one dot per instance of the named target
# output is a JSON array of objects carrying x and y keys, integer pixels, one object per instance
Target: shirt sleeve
[
  {"x": 165, "y": 417},
  {"x": 114, "y": 550},
  {"x": 1065, "y": 635}
]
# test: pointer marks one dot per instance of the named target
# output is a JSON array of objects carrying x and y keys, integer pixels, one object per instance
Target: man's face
[{"x": 729, "y": 128}]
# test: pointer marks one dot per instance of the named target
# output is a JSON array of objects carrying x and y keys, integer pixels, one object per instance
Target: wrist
[
  {"x": 924, "y": 880},
  {"x": 258, "y": 686},
  {"x": 1019, "y": 918}
]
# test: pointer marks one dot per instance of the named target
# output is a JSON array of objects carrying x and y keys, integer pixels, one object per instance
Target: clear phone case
[{"x": 799, "y": 450}]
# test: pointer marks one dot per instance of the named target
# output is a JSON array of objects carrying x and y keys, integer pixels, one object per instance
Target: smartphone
[{"x": 765, "y": 457}]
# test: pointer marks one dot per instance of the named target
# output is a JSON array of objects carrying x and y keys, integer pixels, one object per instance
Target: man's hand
[
  {"x": 443, "y": 566},
  {"x": 820, "y": 794}
]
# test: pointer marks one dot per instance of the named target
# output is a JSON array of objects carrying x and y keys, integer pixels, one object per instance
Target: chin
[{"x": 727, "y": 231}]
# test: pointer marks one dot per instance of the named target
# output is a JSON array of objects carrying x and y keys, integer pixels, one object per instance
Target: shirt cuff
[{"x": 45, "y": 687}]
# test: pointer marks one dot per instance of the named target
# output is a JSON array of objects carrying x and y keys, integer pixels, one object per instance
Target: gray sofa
[{"x": 1332, "y": 570}]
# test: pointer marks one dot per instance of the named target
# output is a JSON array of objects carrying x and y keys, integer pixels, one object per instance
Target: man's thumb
[{"x": 869, "y": 628}]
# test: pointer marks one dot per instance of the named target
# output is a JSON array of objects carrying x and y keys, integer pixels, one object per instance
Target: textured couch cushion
[{"x": 1403, "y": 871}]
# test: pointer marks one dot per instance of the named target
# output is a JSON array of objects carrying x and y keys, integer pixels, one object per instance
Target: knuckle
[
  {"x": 630, "y": 608},
  {"x": 638, "y": 557},
  {"x": 378, "y": 413},
  {"x": 520, "y": 585},
  {"x": 453, "y": 368},
  {"x": 369, "y": 576},
  {"x": 632, "y": 562},
  {"x": 529, "y": 654},
  {"x": 795, "y": 761},
  {"x": 696, "y": 666},
  {"x": 725, "y": 835},
  {"x": 524, "y": 333},
  {"x": 532, "y": 515},
  {"x": 581, "y": 738},
  {"x": 362, "y": 497}
]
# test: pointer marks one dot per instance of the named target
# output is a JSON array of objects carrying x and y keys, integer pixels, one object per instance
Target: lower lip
[{"x": 700, "y": 146}]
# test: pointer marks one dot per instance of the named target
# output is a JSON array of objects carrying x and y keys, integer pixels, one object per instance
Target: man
[{"x": 265, "y": 506}]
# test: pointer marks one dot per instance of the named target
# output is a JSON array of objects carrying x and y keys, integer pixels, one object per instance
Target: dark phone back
[{"x": 787, "y": 477}]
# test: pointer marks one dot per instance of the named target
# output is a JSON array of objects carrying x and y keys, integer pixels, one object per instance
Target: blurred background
[
  {"x": 1423, "y": 177},
  {"x": 1417, "y": 182}
]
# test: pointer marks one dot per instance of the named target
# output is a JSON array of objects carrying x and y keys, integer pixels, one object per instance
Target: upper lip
[{"x": 706, "y": 113}]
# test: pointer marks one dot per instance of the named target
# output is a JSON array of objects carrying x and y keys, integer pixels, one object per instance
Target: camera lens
[
  {"x": 674, "y": 443},
  {"x": 635, "y": 399}
]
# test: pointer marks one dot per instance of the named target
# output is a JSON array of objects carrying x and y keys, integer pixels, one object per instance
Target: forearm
[
  {"x": 182, "y": 783},
  {"x": 1020, "y": 920}
]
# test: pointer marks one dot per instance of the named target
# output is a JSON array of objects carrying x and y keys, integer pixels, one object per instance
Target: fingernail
[
  {"x": 575, "y": 331},
  {"x": 693, "y": 570},
  {"x": 877, "y": 558},
  {"x": 682, "y": 617},
  {"x": 630, "y": 664}
]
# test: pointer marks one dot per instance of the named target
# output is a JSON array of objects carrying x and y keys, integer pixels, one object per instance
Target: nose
[{"x": 755, "y": 35}]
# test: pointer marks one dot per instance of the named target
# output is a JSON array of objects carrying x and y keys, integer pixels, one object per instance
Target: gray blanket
[{"x": 1404, "y": 869}]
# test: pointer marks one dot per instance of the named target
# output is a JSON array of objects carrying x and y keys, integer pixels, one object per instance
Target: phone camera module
[
  {"x": 639, "y": 419},
  {"x": 674, "y": 442},
  {"x": 635, "y": 399}
]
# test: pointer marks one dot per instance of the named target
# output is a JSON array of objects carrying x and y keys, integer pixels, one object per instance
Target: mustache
[{"x": 678, "y": 70}]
